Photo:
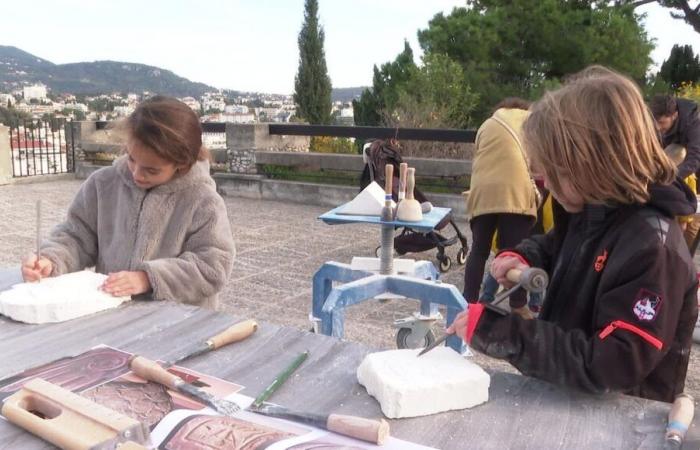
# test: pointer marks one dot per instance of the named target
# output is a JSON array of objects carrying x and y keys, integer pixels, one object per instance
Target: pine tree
[
  {"x": 682, "y": 66},
  {"x": 312, "y": 86}
]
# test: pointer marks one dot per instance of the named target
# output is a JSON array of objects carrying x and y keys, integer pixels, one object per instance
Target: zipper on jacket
[
  {"x": 629, "y": 327},
  {"x": 136, "y": 231}
]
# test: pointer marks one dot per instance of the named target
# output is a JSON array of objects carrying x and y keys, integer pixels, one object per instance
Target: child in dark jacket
[{"x": 621, "y": 303}]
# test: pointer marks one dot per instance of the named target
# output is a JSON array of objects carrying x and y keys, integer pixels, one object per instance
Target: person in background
[
  {"x": 545, "y": 222},
  {"x": 621, "y": 304},
  {"x": 502, "y": 195},
  {"x": 153, "y": 220},
  {"x": 678, "y": 122}
]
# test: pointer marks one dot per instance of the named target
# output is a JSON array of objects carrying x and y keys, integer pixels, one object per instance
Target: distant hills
[{"x": 18, "y": 68}]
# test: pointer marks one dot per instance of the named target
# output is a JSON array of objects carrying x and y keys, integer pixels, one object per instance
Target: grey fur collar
[{"x": 197, "y": 175}]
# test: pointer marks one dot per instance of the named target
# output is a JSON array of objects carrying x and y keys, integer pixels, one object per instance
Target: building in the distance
[
  {"x": 37, "y": 91},
  {"x": 192, "y": 103}
]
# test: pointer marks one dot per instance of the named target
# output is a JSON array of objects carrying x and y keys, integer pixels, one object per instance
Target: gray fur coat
[{"x": 178, "y": 233}]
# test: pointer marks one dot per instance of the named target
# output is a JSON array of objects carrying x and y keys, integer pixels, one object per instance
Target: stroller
[{"x": 376, "y": 155}]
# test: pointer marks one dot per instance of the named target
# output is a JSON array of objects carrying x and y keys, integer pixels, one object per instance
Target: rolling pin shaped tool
[
  {"x": 72, "y": 422},
  {"x": 679, "y": 418},
  {"x": 152, "y": 371},
  {"x": 234, "y": 333}
]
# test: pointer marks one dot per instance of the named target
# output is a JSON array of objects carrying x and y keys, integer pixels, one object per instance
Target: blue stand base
[{"x": 329, "y": 303}]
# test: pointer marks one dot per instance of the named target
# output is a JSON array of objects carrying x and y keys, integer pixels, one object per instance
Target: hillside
[{"x": 18, "y": 68}]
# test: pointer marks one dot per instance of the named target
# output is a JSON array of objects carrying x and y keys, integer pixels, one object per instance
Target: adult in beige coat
[
  {"x": 153, "y": 220},
  {"x": 502, "y": 195}
]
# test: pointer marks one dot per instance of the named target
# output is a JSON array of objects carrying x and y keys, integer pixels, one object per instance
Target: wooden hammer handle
[
  {"x": 235, "y": 333},
  {"x": 152, "y": 371},
  {"x": 514, "y": 275},
  {"x": 375, "y": 431},
  {"x": 410, "y": 183},
  {"x": 389, "y": 175},
  {"x": 403, "y": 172}
]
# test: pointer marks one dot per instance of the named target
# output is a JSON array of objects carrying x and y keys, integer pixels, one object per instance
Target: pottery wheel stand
[{"x": 385, "y": 277}]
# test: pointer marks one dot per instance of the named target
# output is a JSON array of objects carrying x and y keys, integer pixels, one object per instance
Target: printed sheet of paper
[
  {"x": 102, "y": 374},
  {"x": 184, "y": 430}
]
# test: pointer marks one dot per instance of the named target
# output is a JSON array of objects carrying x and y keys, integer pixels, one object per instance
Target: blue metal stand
[{"x": 329, "y": 303}]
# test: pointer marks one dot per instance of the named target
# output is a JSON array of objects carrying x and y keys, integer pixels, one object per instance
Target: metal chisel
[
  {"x": 152, "y": 371},
  {"x": 234, "y": 333}
]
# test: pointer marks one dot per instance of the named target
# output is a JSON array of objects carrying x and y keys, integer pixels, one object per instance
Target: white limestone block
[
  {"x": 58, "y": 299},
  {"x": 408, "y": 386},
  {"x": 369, "y": 202}
]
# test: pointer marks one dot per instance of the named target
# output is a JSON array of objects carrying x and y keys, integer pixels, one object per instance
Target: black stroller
[{"x": 376, "y": 156}]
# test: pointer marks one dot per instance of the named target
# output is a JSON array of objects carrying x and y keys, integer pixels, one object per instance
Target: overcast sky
[{"x": 248, "y": 45}]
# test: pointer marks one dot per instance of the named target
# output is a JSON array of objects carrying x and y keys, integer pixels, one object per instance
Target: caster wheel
[
  {"x": 378, "y": 251},
  {"x": 461, "y": 256},
  {"x": 445, "y": 264},
  {"x": 404, "y": 339}
]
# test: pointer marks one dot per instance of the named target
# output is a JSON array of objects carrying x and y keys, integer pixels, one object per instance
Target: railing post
[
  {"x": 5, "y": 155},
  {"x": 243, "y": 140}
]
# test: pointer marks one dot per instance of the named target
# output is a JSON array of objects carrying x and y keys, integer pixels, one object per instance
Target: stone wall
[{"x": 244, "y": 140}]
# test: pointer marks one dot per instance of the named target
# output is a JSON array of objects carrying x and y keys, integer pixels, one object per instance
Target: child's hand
[
  {"x": 34, "y": 269},
  {"x": 124, "y": 283},
  {"x": 502, "y": 264},
  {"x": 459, "y": 326}
]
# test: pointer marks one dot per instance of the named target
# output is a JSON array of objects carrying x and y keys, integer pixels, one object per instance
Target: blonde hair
[{"x": 597, "y": 133}]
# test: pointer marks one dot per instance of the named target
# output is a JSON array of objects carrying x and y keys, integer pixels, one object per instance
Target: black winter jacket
[
  {"x": 621, "y": 304},
  {"x": 686, "y": 132}
]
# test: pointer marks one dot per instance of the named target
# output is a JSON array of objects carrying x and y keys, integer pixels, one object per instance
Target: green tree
[
  {"x": 514, "y": 47},
  {"x": 387, "y": 83},
  {"x": 312, "y": 85},
  {"x": 680, "y": 9},
  {"x": 682, "y": 66},
  {"x": 435, "y": 95}
]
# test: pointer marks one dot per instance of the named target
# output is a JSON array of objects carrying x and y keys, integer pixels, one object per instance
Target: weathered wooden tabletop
[{"x": 522, "y": 413}]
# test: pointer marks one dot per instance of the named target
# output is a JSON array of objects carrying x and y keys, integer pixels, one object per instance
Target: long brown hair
[
  {"x": 597, "y": 133},
  {"x": 168, "y": 127}
]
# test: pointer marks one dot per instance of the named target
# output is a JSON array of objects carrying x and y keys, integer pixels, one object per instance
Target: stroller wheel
[
  {"x": 405, "y": 340},
  {"x": 445, "y": 264},
  {"x": 461, "y": 256}
]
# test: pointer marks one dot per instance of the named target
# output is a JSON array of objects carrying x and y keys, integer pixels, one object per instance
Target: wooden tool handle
[
  {"x": 679, "y": 418},
  {"x": 152, "y": 371},
  {"x": 235, "y": 333},
  {"x": 514, "y": 275},
  {"x": 411, "y": 183},
  {"x": 131, "y": 446},
  {"x": 403, "y": 171},
  {"x": 375, "y": 431},
  {"x": 389, "y": 175},
  {"x": 68, "y": 420}
]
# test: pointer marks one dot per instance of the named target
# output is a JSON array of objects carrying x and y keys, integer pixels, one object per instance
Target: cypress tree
[
  {"x": 312, "y": 86},
  {"x": 682, "y": 66}
]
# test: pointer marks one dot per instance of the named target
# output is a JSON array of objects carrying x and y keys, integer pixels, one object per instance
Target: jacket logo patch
[
  {"x": 600, "y": 261},
  {"x": 647, "y": 305}
]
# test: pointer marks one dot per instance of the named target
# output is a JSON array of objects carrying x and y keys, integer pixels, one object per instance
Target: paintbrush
[{"x": 38, "y": 236}]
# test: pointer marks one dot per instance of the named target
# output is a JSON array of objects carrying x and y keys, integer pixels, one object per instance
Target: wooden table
[{"x": 522, "y": 412}]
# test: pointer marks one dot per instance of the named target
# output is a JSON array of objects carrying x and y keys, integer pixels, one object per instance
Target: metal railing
[
  {"x": 359, "y": 132},
  {"x": 40, "y": 147}
]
